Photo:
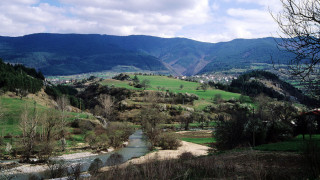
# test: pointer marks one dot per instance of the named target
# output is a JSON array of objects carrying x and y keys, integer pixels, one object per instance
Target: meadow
[
  {"x": 159, "y": 83},
  {"x": 296, "y": 144},
  {"x": 12, "y": 109},
  {"x": 203, "y": 137}
]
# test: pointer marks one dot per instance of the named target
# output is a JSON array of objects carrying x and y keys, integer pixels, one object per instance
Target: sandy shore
[
  {"x": 31, "y": 168},
  {"x": 195, "y": 149},
  {"x": 80, "y": 155}
]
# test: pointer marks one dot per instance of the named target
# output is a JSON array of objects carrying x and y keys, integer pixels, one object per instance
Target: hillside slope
[
  {"x": 57, "y": 54},
  {"x": 61, "y": 54}
]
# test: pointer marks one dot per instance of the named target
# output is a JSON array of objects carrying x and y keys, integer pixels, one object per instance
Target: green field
[
  {"x": 173, "y": 85},
  {"x": 12, "y": 109},
  {"x": 295, "y": 145},
  {"x": 191, "y": 125},
  {"x": 203, "y": 137},
  {"x": 202, "y": 141}
]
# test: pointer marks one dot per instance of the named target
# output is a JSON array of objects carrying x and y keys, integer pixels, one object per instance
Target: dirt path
[{"x": 195, "y": 149}]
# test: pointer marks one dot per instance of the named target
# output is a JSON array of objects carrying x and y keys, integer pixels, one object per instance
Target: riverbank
[
  {"x": 36, "y": 168},
  {"x": 195, "y": 149}
]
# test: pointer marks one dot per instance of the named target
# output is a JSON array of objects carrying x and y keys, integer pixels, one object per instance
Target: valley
[
  {"x": 148, "y": 103},
  {"x": 101, "y": 116}
]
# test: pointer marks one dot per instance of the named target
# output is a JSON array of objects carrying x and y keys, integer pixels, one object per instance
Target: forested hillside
[
  {"x": 19, "y": 79},
  {"x": 62, "y": 54},
  {"x": 56, "y": 54}
]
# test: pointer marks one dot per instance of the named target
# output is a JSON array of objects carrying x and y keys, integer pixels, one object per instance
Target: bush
[
  {"x": 57, "y": 169},
  {"x": 95, "y": 166},
  {"x": 118, "y": 132},
  {"x": 99, "y": 142},
  {"x": 186, "y": 156},
  {"x": 168, "y": 141},
  {"x": 90, "y": 138},
  {"x": 114, "y": 159},
  {"x": 103, "y": 141}
]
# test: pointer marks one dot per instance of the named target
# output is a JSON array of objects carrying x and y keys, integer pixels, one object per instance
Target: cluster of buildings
[{"x": 222, "y": 78}]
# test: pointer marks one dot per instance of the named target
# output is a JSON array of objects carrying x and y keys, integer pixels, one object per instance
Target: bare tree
[
  {"x": 204, "y": 86},
  {"x": 145, "y": 84},
  {"x": 28, "y": 125},
  {"x": 299, "y": 23},
  {"x": 57, "y": 169},
  {"x": 2, "y": 122},
  {"x": 49, "y": 131},
  {"x": 63, "y": 103},
  {"x": 21, "y": 93},
  {"x": 185, "y": 119},
  {"x": 152, "y": 97},
  {"x": 107, "y": 104},
  {"x": 1, "y": 110}
]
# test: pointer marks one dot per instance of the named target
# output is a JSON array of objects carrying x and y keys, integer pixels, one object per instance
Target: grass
[
  {"x": 78, "y": 137},
  {"x": 173, "y": 85},
  {"x": 198, "y": 137},
  {"x": 294, "y": 145},
  {"x": 191, "y": 125},
  {"x": 202, "y": 141},
  {"x": 12, "y": 109}
]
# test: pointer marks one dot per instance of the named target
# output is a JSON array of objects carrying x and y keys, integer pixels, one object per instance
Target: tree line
[{"x": 19, "y": 79}]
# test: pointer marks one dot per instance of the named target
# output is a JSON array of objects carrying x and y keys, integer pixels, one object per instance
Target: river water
[{"x": 136, "y": 147}]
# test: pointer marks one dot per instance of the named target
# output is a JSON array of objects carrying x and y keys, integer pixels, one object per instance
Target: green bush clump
[{"x": 168, "y": 141}]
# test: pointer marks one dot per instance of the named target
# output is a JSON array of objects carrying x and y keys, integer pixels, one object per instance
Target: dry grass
[{"x": 231, "y": 165}]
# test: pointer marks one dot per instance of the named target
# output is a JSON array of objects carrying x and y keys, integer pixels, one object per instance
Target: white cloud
[
  {"x": 273, "y": 5},
  {"x": 116, "y": 17},
  {"x": 215, "y": 6},
  {"x": 250, "y": 23},
  {"x": 204, "y": 20},
  {"x": 143, "y": 16}
]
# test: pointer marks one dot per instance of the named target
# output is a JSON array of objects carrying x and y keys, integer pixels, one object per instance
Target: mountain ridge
[{"x": 60, "y": 54}]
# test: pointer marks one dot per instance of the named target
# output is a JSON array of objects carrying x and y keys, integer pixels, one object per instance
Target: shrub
[
  {"x": 114, "y": 159},
  {"x": 90, "y": 138},
  {"x": 118, "y": 132},
  {"x": 168, "y": 141},
  {"x": 75, "y": 171},
  {"x": 100, "y": 141},
  {"x": 186, "y": 156},
  {"x": 95, "y": 166},
  {"x": 57, "y": 169}
]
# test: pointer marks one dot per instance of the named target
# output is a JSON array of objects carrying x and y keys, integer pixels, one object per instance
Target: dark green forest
[
  {"x": 62, "y": 54},
  {"x": 19, "y": 79}
]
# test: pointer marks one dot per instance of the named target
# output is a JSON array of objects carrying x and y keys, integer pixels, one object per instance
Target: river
[{"x": 136, "y": 147}]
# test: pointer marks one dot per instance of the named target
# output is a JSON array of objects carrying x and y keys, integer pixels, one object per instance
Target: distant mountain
[{"x": 61, "y": 54}]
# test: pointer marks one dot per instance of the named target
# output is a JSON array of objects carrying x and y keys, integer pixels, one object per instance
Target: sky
[{"x": 202, "y": 20}]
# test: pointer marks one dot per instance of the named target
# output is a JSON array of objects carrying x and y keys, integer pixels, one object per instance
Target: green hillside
[
  {"x": 173, "y": 85},
  {"x": 12, "y": 109}
]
